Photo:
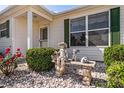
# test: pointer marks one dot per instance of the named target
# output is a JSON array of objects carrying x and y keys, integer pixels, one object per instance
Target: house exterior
[{"x": 88, "y": 28}]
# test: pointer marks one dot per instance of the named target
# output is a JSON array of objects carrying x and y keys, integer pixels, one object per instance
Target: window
[
  {"x": 97, "y": 30},
  {"x": 3, "y": 29},
  {"x": 78, "y": 39},
  {"x": 3, "y": 33},
  {"x": 45, "y": 34},
  {"x": 3, "y": 26},
  {"x": 78, "y": 24},
  {"x": 77, "y": 31},
  {"x": 98, "y": 38},
  {"x": 98, "y": 21}
]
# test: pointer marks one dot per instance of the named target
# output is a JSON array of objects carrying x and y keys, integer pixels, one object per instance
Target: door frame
[{"x": 43, "y": 26}]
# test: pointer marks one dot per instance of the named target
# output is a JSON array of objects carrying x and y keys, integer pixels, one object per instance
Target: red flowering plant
[{"x": 8, "y": 62}]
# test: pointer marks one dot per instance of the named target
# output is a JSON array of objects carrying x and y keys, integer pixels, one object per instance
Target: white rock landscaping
[{"x": 25, "y": 78}]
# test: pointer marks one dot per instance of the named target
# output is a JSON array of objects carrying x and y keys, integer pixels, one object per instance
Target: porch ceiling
[
  {"x": 37, "y": 13},
  {"x": 39, "y": 18}
]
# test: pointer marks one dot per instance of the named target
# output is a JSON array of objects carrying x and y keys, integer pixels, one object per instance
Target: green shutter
[
  {"x": 66, "y": 31},
  {"x": 115, "y": 25},
  {"x": 7, "y": 31}
]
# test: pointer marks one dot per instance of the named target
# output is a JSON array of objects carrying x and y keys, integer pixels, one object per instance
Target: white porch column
[
  {"x": 29, "y": 29},
  {"x": 13, "y": 34}
]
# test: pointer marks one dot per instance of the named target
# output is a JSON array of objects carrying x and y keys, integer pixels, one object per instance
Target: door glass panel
[
  {"x": 45, "y": 34},
  {"x": 43, "y": 37}
]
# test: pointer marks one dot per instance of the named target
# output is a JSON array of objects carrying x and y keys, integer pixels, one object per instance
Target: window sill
[{"x": 88, "y": 46}]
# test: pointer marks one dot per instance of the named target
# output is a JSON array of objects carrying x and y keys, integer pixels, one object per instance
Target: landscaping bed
[{"x": 25, "y": 78}]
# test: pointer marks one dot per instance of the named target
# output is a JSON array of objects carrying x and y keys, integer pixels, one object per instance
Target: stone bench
[
  {"x": 62, "y": 65},
  {"x": 83, "y": 69}
]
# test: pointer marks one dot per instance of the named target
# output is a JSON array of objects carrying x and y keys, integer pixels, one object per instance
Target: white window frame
[{"x": 86, "y": 30}]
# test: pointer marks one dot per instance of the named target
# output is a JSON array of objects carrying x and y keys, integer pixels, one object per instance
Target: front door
[{"x": 43, "y": 37}]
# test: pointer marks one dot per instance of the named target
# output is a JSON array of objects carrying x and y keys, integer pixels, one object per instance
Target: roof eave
[
  {"x": 6, "y": 9},
  {"x": 47, "y": 10},
  {"x": 70, "y": 10}
]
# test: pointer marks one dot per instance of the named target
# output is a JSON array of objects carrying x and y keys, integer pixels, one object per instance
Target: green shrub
[
  {"x": 39, "y": 59},
  {"x": 113, "y": 53},
  {"x": 115, "y": 74}
]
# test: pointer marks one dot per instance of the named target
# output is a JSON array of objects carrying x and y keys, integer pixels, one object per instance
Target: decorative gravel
[{"x": 24, "y": 78}]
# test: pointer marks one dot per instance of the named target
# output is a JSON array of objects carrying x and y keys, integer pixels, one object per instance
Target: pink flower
[
  {"x": 18, "y": 54},
  {"x": 18, "y": 49},
  {"x": 7, "y": 50},
  {"x": 13, "y": 57},
  {"x": 7, "y": 62},
  {"x": 1, "y": 58}
]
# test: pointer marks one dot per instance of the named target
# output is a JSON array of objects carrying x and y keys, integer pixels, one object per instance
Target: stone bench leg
[
  {"x": 87, "y": 77},
  {"x": 60, "y": 67}
]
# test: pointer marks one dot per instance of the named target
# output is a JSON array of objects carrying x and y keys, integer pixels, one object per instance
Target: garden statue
[
  {"x": 87, "y": 77},
  {"x": 74, "y": 54},
  {"x": 60, "y": 58},
  {"x": 84, "y": 60}
]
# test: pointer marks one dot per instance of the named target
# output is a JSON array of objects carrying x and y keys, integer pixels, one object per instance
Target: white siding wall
[
  {"x": 5, "y": 42},
  {"x": 21, "y": 34},
  {"x": 44, "y": 23},
  {"x": 37, "y": 24},
  {"x": 122, "y": 23},
  {"x": 35, "y": 34},
  {"x": 57, "y": 35},
  {"x": 11, "y": 14},
  {"x": 57, "y": 31}
]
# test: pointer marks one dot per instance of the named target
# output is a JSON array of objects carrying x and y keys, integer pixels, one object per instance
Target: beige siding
[
  {"x": 5, "y": 42},
  {"x": 37, "y": 24},
  {"x": 93, "y": 53},
  {"x": 122, "y": 24},
  {"x": 13, "y": 41},
  {"x": 45, "y": 23},
  {"x": 57, "y": 35},
  {"x": 57, "y": 31},
  {"x": 35, "y": 34},
  {"x": 21, "y": 33}
]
